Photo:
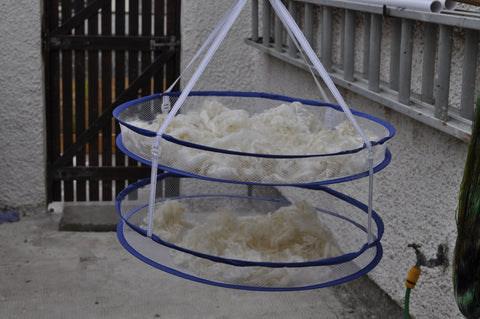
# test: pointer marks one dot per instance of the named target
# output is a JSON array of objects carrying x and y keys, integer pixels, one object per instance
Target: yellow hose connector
[{"x": 412, "y": 277}]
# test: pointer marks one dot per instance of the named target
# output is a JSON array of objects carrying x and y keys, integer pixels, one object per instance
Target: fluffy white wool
[
  {"x": 168, "y": 223},
  {"x": 288, "y": 129},
  {"x": 290, "y": 234}
]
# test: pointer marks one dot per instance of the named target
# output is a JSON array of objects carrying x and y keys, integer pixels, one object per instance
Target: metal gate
[{"x": 99, "y": 54}]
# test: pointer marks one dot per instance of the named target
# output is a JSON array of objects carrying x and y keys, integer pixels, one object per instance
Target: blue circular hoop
[
  {"x": 147, "y": 133},
  {"x": 127, "y": 230}
]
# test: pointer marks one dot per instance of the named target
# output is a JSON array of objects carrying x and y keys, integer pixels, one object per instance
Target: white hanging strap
[
  {"x": 294, "y": 30},
  {"x": 323, "y": 95},
  {"x": 210, "y": 38},
  {"x": 235, "y": 11},
  {"x": 166, "y": 107},
  {"x": 300, "y": 50},
  {"x": 219, "y": 35}
]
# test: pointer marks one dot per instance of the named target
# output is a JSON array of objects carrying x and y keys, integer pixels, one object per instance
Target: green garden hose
[{"x": 410, "y": 283}]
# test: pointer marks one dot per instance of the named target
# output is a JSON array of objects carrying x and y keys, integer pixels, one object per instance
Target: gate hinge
[
  {"x": 45, "y": 41},
  {"x": 157, "y": 45}
]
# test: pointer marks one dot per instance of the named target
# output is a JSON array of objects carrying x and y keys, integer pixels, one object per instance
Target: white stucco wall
[
  {"x": 22, "y": 156},
  {"x": 416, "y": 195},
  {"x": 198, "y": 20}
]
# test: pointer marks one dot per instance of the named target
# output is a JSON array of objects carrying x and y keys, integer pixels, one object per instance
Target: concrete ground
[{"x": 48, "y": 273}]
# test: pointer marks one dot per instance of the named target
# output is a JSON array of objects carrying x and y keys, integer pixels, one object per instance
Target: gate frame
[{"x": 164, "y": 69}]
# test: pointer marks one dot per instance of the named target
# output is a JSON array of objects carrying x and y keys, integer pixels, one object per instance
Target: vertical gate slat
[
  {"x": 67, "y": 99},
  {"x": 52, "y": 95},
  {"x": 133, "y": 64},
  {"x": 146, "y": 55},
  {"x": 173, "y": 30},
  {"x": 146, "y": 31},
  {"x": 106, "y": 100},
  {"x": 132, "y": 31},
  {"x": 172, "y": 69},
  {"x": 119, "y": 81},
  {"x": 93, "y": 110},
  {"x": 80, "y": 102},
  {"x": 159, "y": 84}
]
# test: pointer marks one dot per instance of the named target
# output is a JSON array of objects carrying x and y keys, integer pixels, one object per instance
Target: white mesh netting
[
  {"x": 301, "y": 145},
  {"x": 251, "y": 236},
  {"x": 240, "y": 222}
]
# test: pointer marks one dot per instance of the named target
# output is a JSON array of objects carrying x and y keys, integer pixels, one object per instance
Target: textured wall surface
[
  {"x": 22, "y": 156},
  {"x": 416, "y": 195},
  {"x": 228, "y": 68}
]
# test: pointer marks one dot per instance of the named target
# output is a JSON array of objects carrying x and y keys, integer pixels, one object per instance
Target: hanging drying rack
[{"x": 127, "y": 229}]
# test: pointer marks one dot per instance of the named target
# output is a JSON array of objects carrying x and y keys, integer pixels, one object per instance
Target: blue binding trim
[
  {"x": 119, "y": 109},
  {"x": 149, "y": 133},
  {"x": 379, "y": 167},
  {"x": 123, "y": 241},
  {"x": 243, "y": 263}
]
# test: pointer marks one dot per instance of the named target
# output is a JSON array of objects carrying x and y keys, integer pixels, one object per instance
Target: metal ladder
[{"x": 419, "y": 48}]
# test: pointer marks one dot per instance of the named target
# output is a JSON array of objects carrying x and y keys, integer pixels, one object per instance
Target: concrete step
[{"x": 89, "y": 218}]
